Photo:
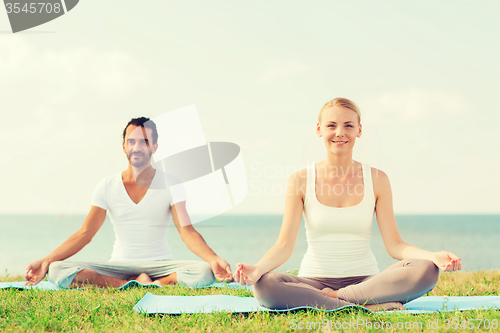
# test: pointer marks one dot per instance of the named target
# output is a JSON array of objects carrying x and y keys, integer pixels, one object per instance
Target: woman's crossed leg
[{"x": 399, "y": 283}]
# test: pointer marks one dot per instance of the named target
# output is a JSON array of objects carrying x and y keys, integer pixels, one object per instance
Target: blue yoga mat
[
  {"x": 153, "y": 304},
  {"x": 156, "y": 304},
  {"x": 46, "y": 285},
  {"x": 452, "y": 303},
  {"x": 19, "y": 285}
]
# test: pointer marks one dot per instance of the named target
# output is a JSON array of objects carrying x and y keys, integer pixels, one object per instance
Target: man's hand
[
  {"x": 35, "y": 272},
  {"x": 446, "y": 261},
  {"x": 221, "y": 270}
]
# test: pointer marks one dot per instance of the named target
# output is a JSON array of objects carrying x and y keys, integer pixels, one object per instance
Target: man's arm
[
  {"x": 37, "y": 270},
  {"x": 196, "y": 243}
]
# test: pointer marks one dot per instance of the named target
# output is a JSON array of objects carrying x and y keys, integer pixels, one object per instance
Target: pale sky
[{"x": 425, "y": 75}]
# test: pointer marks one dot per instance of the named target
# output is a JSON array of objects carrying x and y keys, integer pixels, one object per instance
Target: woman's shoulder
[
  {"x": 297, "y": 182},
  {"x": 300, "y": 175},
  {"x": 380, "y": 181},
  {"x": 377, "y": 174}
]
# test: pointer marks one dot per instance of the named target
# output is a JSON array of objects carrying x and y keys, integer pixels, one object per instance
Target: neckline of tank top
[{"x": 364, "y": 189}]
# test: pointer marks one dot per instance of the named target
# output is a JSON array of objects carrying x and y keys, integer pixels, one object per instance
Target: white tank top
[{"x": 338, "y": 238}]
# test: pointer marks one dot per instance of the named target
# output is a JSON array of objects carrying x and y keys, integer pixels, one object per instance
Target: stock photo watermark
[
  {"x": 25, "y": 14},
  {"x": 274, "y": 180},
  {"x": 358, "y": 324}
]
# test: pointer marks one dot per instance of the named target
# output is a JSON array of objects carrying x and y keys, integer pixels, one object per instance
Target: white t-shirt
[{"x": 140, "y": 229}]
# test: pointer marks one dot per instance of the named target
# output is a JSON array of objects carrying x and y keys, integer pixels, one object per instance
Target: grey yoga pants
[
  {"x": 194, "y": 274},
  {"x": 402, "y": 282}
]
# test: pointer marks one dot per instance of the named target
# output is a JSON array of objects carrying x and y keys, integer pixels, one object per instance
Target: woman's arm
[
  {"x": 393, "y": 242},
  {"x": 283, "y": 249}
]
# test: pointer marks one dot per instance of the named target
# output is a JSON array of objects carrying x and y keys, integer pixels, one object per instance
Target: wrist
[
  {"x": 259, "y": 270},
  {"x": 436, "y": 256},
  {"x": 48, "y": 260},
  {"x": 212, "y": 258}
]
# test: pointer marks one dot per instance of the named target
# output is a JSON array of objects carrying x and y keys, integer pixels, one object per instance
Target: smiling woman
[
  {"x": 343, "y": 102},
  {"x": 348, "y": 128},
  {"x": 339, "y": 267}
]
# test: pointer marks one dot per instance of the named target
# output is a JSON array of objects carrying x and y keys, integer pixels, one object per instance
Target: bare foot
[
  {"x": 158, "y": 283},
  {"x": 329, "y": 292},
  {"x": 144, "y": 279},
  {"x": 388, "y": 306}
]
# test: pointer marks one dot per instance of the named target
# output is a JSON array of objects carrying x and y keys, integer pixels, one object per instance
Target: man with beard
[{"x": 140, "y": 204}]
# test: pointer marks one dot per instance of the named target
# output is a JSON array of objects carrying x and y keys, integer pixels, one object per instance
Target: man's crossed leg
[{"x": 194, "y": 274}]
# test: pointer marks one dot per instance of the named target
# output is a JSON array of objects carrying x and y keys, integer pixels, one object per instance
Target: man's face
[{"x": 138, "y": 145}]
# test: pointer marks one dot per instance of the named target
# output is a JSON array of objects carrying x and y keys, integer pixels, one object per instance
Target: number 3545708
[
  {"x": 33, "y": 8},
  {"x": 471, "y": 324}
]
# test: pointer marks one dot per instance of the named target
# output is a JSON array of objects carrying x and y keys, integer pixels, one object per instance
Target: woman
[{"x": 339, "y": 197}]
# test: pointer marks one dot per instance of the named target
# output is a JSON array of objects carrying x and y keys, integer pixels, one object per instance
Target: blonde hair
[{"x": 340, "y": 101}]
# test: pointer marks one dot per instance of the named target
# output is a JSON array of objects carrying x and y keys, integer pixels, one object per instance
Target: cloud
[
  {"x": 415, "y": 105},
  {"x": 58, "y": 101},
  {"x": 55, "y": 76},
  {"x": 284, "y": 70}
]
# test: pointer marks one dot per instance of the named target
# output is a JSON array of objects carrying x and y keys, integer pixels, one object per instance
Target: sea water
[{"x": 246, "y": 238}]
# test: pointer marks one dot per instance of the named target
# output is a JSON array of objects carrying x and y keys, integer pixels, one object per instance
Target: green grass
[{"x": 94, "y": 310}]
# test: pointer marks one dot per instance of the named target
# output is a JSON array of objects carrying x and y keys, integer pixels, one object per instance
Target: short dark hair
[{"x": 143, "y": 122}]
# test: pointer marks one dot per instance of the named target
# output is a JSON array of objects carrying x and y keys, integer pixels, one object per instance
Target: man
[{"x": 140, "y": 204}]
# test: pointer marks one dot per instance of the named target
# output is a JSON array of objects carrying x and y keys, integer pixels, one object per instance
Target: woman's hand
[
  {"x": 247, "y": 274},
  {"x": 446, "y": 261}
]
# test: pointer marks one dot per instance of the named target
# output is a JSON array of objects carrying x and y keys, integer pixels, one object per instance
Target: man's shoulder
[
  {"x": 110, "y": 180},
  {"x": 164, "y": 179},
  {"x": 104, "y": 190}
]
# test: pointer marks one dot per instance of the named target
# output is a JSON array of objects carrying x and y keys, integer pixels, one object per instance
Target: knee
[
  {"x": 55, "y": 265},
  {"x": 271, "y": 291},
  {"x": 427, "y": 272},
  {"x": 262, "y": 289},
  {"x": 431, "y": 272},
  {"x": 61, "y": 273},
  {"x": 265, "y": 281},
  {"x": 266, "y": 284},
  {"x": 204, "y": 275},
  {"x": 207, "y": 274},
  {"x": 56, "y": 268},
  {"x": 53, "y": 269}
]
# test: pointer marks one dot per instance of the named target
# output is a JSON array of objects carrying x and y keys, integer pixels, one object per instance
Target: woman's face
[{"x": 339, "y": 129}]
